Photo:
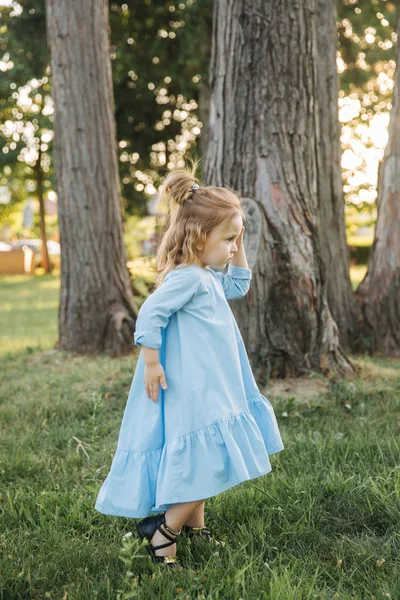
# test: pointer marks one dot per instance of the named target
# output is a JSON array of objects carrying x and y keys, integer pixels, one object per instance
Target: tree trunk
[
  {"x": 264, "y": 135},
  {"x": 204, "y": 115},
  {"x": 96, "y": 304},
  {"x": 39, "y": 183},
  {"x": 335, "y": 253},
  {"x": 379, "y": 292}
]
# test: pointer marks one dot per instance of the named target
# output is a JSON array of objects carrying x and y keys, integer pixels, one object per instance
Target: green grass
[
  {"x": 29, "y": 306},
  {"x": 28, "y": 312},
  {"x": 323, "y": 524}
]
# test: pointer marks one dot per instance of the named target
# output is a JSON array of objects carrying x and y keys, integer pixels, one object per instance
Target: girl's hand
[
  {"x": 239, "y": 238},
  {"x": 153, "y": 377}
]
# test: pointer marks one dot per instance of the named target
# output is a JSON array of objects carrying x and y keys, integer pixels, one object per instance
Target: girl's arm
[
  {"x": 236, "y": 282},
  {"x": 178, "y": 288},
  {"x": 150, "y": 355}
]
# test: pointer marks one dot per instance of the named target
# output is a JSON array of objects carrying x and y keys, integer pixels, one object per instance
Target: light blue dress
[{"x": 212, "y": 428}]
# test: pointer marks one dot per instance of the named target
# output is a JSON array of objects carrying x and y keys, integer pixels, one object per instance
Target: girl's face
[{"x": 221, "y": 244}]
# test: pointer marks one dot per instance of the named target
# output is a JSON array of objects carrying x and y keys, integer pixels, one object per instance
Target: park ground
[{"x": 324, "y": 523}]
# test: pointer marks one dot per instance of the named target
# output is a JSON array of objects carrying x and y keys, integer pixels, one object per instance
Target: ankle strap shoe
[{"x": 146, "y": 529}]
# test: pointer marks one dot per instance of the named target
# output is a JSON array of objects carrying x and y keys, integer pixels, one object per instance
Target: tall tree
[
  {"x": 26, "y": 129},
  {"x": 96, "y": 304},
  {"x": 379, "y": 292},
  {"x": 264, "y": 129},
  {"x": 160, "y": 56},
  {"x": 332, "y": 232},
  {"x": 43, "y": 236}
]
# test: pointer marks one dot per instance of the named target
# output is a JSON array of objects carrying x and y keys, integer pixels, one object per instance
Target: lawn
[
  {"x": 28, "y": 312},
  {"x": 325, "y": 523}
]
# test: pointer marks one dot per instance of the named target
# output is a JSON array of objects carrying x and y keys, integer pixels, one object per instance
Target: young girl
[{"x": 195, "y": 423}]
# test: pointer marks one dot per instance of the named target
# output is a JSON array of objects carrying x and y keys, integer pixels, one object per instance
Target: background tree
[
  {"x": 263, "y": 76},
  {"x": 25, "y": 108},
  {"x": 96, "y": 303},
  {"x": 366, "y": 32},
  {"x": 335, "y": 253},
  {"x": 379, "y": 292},
  {"x": 366, "y": 46},
  {"x": 160, "y": 60},
  {"x": 160, "y": 53}
]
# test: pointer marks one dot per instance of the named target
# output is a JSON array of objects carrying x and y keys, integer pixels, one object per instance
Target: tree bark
[
  {"x": 379, "y": 292},
  {"x": 96, "y": 303},
  {"x": 204, "y": 114},
  {"x": 264, "y": 131},
  {"x": 39, "y": 183},
  {"x": 335, "y": 254}
]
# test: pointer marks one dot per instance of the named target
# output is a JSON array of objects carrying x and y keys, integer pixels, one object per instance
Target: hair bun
[{"x": 179, "y": 184}]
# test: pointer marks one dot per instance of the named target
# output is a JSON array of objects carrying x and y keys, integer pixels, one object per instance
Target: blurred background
[{"x": 169, "y": 115}]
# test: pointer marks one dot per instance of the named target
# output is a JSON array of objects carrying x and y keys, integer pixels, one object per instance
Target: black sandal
[
  {"x": 146, "y": 529},
  {"x": 202, "y": 532}
]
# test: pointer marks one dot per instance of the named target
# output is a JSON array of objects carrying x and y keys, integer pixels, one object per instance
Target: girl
[{"x": 195, "y": 423}]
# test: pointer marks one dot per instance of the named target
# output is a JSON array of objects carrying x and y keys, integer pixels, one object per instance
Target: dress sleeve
[
  {"x": 236, "y": 282},
  {"x": 178, "y": 287}
]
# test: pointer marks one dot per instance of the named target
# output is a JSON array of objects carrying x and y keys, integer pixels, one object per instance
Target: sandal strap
[
  {"x": 166, "y": 560},
  {"x": 171, "y": 559},
  {"x": 202, "y": 531},
  {"x": 153, "y": 548},
  {"x": 194, "y": 530},
  {"x": 171, "y": 530},
  {"x": 165, "y": 534}
]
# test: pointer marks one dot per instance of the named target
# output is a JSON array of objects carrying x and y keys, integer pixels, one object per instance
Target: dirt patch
[{"x": 300, "y": 388}]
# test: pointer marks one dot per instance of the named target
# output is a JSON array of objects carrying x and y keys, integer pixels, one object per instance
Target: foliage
[
  {"x": 367, "y": 47},
  {"x": 366, "y": 63},
  {"x": 26, "y": 130},
  {"x": 160, "y": 53}
]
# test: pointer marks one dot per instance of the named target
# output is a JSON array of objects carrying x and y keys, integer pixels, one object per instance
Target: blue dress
[{"x": 211, "y": 429}]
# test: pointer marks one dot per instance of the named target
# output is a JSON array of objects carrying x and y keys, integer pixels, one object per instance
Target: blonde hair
[{"x": 190, "y": 217}]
